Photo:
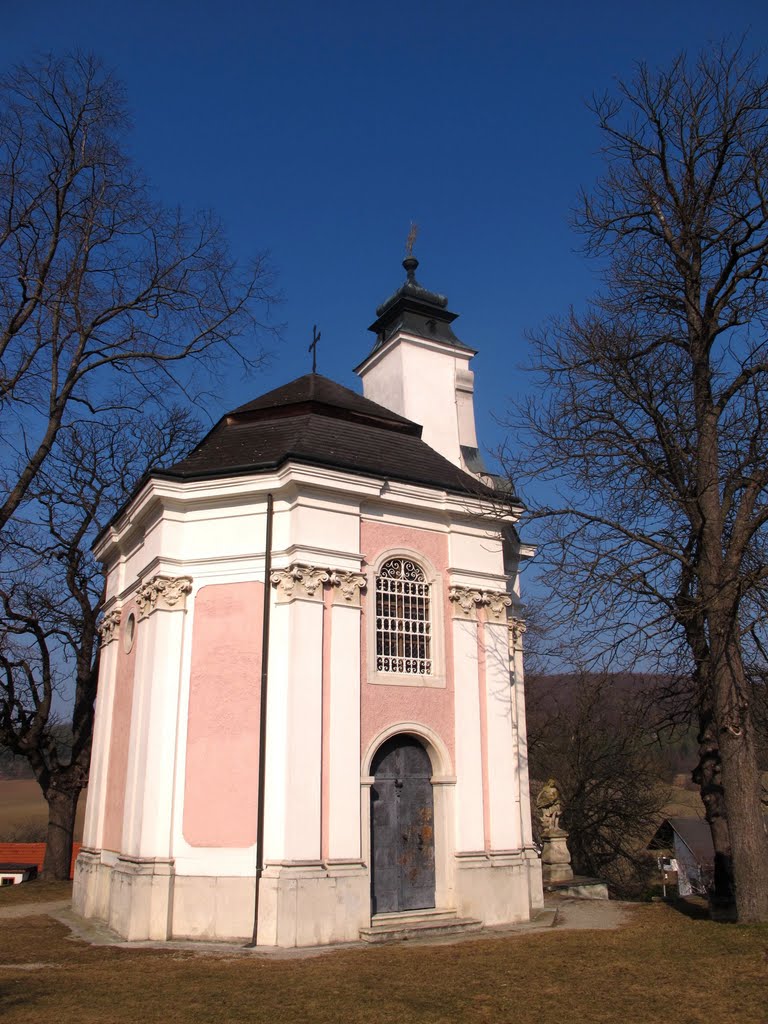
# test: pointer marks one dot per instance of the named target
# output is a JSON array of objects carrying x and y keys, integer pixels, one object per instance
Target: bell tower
[{"x": 420, "y": 369}]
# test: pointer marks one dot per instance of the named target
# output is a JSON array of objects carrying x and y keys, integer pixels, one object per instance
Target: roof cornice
[{"x": 162, "y": 494}]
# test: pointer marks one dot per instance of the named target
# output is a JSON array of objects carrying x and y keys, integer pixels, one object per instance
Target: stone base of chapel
[
  {"x": 299, "y": 904},
  {"x": 133, "y": 896},
  {"x": 499, "y": 888}
]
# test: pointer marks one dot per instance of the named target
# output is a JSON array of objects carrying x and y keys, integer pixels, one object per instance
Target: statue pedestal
[{"x": 555, "y": 858}]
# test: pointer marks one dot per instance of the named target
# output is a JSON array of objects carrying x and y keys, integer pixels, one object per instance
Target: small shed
[
  {"x": 28, "y": 855},
  {"x": 690, "y": 841},
  {"x": 12, "y": 874}
]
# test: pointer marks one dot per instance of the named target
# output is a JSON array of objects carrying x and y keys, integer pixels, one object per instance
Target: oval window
[{"x": 129, "y": 633}]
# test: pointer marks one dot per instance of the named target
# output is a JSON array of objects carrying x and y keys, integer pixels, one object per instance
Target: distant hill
[
  {"x": 676, "y": 751},
  {"x": 24, "y": 812}
]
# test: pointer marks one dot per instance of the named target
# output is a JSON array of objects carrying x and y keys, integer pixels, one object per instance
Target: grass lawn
[
  {"x": 39, "y": 891},
  {"x": 661, "y": 966}
]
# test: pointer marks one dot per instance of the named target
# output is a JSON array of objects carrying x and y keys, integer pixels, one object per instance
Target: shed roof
[
  {"x": 694, "y": 832},
  {"x": 32, "y": 854}
]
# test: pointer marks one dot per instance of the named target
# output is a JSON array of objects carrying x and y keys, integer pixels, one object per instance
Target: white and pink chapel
[{"x": 310, "y": 723}]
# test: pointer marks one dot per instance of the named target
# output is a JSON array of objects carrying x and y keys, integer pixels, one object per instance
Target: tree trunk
[
  {"x": 62, "y": 807},
  {"x": 707, "y": 776},
  {"x": 741, "y": 786}
]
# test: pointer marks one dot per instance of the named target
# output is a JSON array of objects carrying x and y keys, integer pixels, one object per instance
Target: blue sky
[{"x": 319, "y": 131}]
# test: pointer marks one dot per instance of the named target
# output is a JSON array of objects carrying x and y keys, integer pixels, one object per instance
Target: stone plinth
[{"x": 555, "y": 858}]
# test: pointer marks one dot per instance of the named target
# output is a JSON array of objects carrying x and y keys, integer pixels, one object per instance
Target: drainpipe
[{"x": 263, "y": 715}]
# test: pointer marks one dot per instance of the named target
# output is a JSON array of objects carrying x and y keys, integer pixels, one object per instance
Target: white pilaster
[
  {"x": 304, "y": 732},
  {"x": 503, "y": 776},
  {"x": 276, "y": 767},
  {"x": 344, "y": 761},
  {"x": 102, "y": 731},
  {"x": 516, "y": 630},
  {"x": 469, "y": 762},
  {"x": 295, "y": 716},
  {"x": 147, "y": 825}
]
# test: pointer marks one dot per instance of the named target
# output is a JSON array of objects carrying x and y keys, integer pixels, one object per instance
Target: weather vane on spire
[{"x": 410, "y": 240}]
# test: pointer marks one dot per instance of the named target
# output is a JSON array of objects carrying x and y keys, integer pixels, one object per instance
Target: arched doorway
[{"x": 402, "y": 828}]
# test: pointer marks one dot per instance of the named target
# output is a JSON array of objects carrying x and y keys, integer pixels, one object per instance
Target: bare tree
[
  {"x": 592, "y": 735},
  {"x": 653, "y": 420},
  {"x": 51, "y": 591},
  {"x": 106, "y": 297}
]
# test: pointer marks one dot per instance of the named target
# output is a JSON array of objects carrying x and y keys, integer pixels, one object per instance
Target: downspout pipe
[{"x": 263, "y": 715}]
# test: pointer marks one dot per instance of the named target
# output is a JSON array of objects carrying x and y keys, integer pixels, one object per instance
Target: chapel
[{"x": 310, "y": 722}]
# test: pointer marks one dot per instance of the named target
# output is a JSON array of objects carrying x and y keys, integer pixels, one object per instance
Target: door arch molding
[{"x": 442, "y": 766}]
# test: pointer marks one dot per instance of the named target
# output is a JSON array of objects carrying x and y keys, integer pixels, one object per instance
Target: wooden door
[{"x": 402, "y": 828}]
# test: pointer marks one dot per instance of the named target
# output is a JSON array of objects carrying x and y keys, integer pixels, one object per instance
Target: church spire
[
  {"x": 417, "y": 310},
  {"x": 419, "y": 369}
]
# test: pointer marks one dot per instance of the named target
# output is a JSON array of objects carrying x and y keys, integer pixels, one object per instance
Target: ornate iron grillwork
[{"x": 403, "y": 626}]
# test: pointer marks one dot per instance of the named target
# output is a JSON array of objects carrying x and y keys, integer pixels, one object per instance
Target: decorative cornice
[
  {"x": 467, "y": 599},
  {"x": 108, "y": 627},
  {"x": 163, "y": 592},
  {"x": 348, "y": 584}
]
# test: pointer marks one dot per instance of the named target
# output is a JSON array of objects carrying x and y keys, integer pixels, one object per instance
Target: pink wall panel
[
  {"x": 121, "y": 734},
  {"x": 384, "y": 706},
  {"x": 220, "y": 794}
]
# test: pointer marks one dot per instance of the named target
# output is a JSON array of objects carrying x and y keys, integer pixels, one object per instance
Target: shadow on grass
[{"x": 694, "y": 907}]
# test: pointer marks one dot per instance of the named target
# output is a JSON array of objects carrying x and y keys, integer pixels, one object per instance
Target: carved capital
[
  {"x": 516, "y": 629},
  {"x": 496, "y": 603},
  {"x": 313, "y": 580},
  {"x": 347, "y": 584},
  {"x": 163, "y": 592},
  {"x": 286, "y": 580},
  {"x": 467, "y": 600},
  {"x": 108, "y": 627},
  {"x": 299, "y": 581}
]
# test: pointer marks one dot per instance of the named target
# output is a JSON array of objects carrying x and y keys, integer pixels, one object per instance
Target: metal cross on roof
[{"x": 313, "y": 347}]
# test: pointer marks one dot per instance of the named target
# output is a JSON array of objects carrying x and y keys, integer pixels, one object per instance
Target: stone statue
[
  {"x": 549, "y": 805},
  {"x": 555, "y": 856}
]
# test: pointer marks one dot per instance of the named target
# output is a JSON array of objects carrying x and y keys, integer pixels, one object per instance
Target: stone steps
[
  {"x": 578, "y": 887},
  {"x": 418, "y": 924}
]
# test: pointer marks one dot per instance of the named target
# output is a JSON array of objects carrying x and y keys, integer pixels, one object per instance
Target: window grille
[{"x": 403, "y": 627}]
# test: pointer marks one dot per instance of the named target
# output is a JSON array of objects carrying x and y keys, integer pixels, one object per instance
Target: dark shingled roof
[
  {"x": 315, "y": 421},
  {"x": 313, "y": 388}
]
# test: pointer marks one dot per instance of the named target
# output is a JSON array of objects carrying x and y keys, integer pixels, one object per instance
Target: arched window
[{"x": 403, "y": 620}]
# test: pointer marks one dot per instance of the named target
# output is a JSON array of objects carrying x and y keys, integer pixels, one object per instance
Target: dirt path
[
  {"x": 598, "y": 915},
  {"x": 33, "y": 909},
  {"x": 560, "y": 914}
]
